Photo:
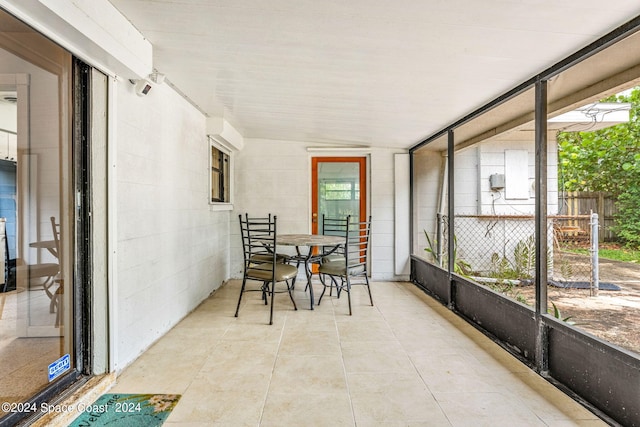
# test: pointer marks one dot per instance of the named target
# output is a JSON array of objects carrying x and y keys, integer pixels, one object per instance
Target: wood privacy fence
[{"x": 580, "y": 204}]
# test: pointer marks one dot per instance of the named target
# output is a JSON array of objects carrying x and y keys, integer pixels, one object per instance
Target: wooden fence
[{"x": 582, "y": 203}]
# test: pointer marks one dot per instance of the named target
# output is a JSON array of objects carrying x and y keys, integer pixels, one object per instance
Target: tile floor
[{"x": 407, "y": 361}]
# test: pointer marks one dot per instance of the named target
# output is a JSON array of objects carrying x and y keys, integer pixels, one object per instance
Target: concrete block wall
[
  {"x": 273, "y": 176},
  {"x": 172, "y": 248}
]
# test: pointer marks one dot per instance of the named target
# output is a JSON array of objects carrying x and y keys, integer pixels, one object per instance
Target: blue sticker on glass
[{"x": 59, "y": 367}]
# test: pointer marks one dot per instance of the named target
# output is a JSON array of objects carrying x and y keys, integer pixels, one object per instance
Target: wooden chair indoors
[
  {"x": 262, "y": 263},
  {"x": 36, "y": 276},
  {"x": 57, "y": 300},
  {"x": 351, "y": 268}
]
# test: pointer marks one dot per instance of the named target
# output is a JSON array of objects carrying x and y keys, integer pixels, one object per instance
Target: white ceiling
[{"x": 360, "y": 72}]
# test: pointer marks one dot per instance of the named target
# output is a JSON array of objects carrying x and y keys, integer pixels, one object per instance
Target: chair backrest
[
  {"x": 357, "y": 246},
  {"x": 258, "y": 239},
  {"x": 55, "y": 227},
  {"x": 334, "y": 226}
]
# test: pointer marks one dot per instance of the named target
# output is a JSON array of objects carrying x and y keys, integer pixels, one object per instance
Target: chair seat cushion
[
  {"x": 269, "y": 258},
  {"x": 263, "y": 272},
  {"x": 332, "y": 258},
  {"x": 338, "y": 268},
  {"x": 37, "y": 270}
]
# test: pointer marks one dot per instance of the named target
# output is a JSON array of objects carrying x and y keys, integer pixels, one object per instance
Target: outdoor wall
[
  {"x": 275, "y": 177},
  {"x": 499, "y": 221},
  {"x": 492, "y": 160},
  {"x": 172, "y": 248}
]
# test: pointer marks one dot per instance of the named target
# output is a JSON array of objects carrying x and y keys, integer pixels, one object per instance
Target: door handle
[{"x": 314, "y": 217}]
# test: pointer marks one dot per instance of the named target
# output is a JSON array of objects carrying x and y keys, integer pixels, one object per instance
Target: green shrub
[{"x": 627, "y": 226}]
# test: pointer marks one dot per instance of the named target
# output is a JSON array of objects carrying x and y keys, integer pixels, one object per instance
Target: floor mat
[
  {"x": 124, "y": 410},
  {"x": 603, "y": 286}
]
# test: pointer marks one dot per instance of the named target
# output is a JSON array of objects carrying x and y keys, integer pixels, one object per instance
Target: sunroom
[{"x": 139, "y": 131}]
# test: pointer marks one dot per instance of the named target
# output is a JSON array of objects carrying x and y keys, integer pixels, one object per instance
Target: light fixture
[
  {"x": 142, "y": 86},
  {"x": 157, "y": 77}
]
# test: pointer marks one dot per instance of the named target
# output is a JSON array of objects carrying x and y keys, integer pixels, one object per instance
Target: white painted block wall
[
  {"x": 274, "y": 177},
  {"x": 172, "y": 249}
]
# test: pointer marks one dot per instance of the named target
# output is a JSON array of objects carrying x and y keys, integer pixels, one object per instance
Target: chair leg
[
  {"x": 59, "y": 305},
  {"x": 334, "y": 283},
  {"x": 273, "y": 294},
  {"x": 338, "y": 287},
  {"x": 46, "y": 285},
  {"x": 244, "y": 282},
  {"x": 290, "y": 289},
  {"x": 265, "y": 292},
  {"x": 324, "y": 287},
  {"x": 349, "y": 294},
  {"x": 368, "y": 289},
  {"x": 293, "y": 282},
  {"x": 2, "y": 298}
]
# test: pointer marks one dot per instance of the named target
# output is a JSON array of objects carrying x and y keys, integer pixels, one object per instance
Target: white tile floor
[{"x": 407, "y": 361}]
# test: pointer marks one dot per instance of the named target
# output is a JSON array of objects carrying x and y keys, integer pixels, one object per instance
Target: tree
[{"x": 607, "y": 160}]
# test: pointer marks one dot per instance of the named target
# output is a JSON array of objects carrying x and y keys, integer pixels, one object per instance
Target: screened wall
[{"x": 509, "y": 216}]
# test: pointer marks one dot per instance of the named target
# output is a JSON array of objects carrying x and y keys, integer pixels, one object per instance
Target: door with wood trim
[{"x": 338, "y": 189}]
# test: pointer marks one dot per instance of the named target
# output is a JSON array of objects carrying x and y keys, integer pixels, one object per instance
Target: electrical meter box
[{"x": 496, "y": 181}]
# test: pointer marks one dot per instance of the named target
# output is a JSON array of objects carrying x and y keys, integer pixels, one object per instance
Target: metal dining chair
[
  {"x": 332, "y": 227},
  {"x": 351, "y": 267},
  {"x": 261, "y": 262}
]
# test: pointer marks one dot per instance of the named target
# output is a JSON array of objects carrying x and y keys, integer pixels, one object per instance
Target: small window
[
  {"x": 220, "y": 174},
  {"x": 340, "y": 190}
]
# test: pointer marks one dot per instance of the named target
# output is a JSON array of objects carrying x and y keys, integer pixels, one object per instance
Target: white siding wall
[
  {"x": 275, "y": 177},
  {"x": 492, "y": 160},
  {"x": 466, "y": 182},
  {"x": 172, "y": 248},
  {"x": 428, "y": 170}
]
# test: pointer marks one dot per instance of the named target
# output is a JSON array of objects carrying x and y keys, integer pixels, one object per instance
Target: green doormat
[{"x": 135, "y": 410}]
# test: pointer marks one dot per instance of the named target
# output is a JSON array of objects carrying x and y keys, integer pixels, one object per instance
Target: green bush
[{"x": 627, "y": 220}]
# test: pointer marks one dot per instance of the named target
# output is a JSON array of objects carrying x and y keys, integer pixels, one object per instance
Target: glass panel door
[
  {"x": 36, "y": 288},
  {"x": 338, "y": 189}
]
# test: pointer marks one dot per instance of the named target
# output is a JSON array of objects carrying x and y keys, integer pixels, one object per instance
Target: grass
[{"x": 616, "y": 254}]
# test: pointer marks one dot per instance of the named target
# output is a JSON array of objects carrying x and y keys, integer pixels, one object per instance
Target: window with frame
[
  {"x": 220, "y": 175},
  {"x": 340, "y": 190}
]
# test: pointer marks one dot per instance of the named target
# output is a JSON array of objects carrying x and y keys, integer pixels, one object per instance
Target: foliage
[
  {"x": 607, "y": 160},
  {"x": 566, "y": 268},
  {"x": 431, "y": 249},
  {"x": 627, "y": 225},
  {"x": 557, "y": 315},
  {"x": 507, "y": 287},
  {"x": 460, "y": 266},
  {"x": 524, "y": 261},
  {"x": 621, "y": 254},
  {"x": 501, "y": 268},
  {"x": 525, "y": 257}
]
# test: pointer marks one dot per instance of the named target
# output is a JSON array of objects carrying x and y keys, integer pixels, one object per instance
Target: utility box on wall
[{"x": 496, "y": 181}]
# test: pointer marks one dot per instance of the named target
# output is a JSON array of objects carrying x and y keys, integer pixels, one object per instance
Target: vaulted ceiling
[{"x": 360, "y": 72}]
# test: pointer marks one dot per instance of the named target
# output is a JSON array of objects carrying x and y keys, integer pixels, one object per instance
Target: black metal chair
[
  {"x": 351, "y": 267},
  {"x": 261, "y": 262},
  {"x": 332, "y": 227}
]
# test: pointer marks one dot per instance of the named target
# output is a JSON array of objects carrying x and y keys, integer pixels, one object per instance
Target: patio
[{"x": 406, "y": 361}]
